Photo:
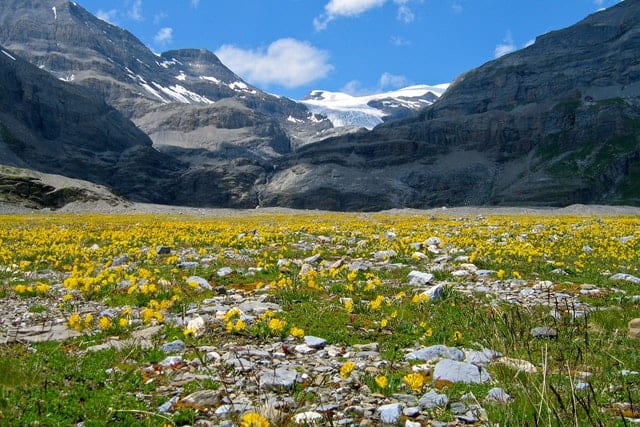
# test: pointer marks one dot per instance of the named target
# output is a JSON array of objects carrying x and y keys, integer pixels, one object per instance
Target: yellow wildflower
[
  {"x": 297, "y": 332},
  {"x": 382, "y": 381},
  {"x": 74, "y": 322},
  {"x": 253, "y": 419},
  {"x": 105, "y": 323},
  {"x": 457, "y": 336},
  {"x": 348, "y": 305},
  {"x": 346, "y": 369},
  {"x": 88, "y": 320},
  {"x": 414, "y": 380},
  {"x": 276, "y": 325}
]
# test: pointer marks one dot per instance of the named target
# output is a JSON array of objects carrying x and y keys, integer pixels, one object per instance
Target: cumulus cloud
[
  {"x": 164, "y": 36},
  {"x": 285, "y": 62},
  {"x": 135, "y": 12},
  {"x": 353, "y": 8},
  {"x": 107, "y": 15},
  {"x": 507, "y": 46}
]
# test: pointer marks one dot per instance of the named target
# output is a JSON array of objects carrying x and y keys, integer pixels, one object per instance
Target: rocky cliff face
[
  {"x": 166, "y": 96},
  {"x": 51, "y": 126},
  {"x": 553, "y": 124}
]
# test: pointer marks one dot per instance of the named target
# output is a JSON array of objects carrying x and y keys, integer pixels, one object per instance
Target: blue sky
[{"x": 289, "y": 47}]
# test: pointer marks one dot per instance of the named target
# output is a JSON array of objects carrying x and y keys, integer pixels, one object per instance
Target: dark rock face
[
  {"x": 553, "y": 124},
  {"x": 55, "y": 127}
]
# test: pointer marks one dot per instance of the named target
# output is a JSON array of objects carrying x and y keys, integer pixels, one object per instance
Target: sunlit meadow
[{"x": 69, "y": 261}]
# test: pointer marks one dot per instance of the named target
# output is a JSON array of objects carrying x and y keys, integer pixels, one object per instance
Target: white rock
[
  {"x": 419, "y": 278},
  {"x": 459, "y": 372},
  {"x": 197, "y": 325},
  {"x": 307, "y": 418}
]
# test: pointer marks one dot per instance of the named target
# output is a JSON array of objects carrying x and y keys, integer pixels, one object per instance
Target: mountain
[
  {"x": 187, "y": 101},
  {"x": 51, "y": 126},
  {"x": 370, "y": 110},
  {"x": 553, "y": 124}
]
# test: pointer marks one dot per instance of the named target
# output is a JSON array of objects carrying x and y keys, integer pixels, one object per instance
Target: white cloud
[
  {"x": 405, "y": 14},
  {"x": 353, "y": 8},
  {"x": 107, "y": 15},
  {"x": 392, "y": 81},
  {"x": 286, "y": 62},
  {"x": 135, "y": 12},
  {"x": 457, "y": 7},
  {"x": 598, "y": 3},
  {"x": 507, "y": 46},
  {"x": 530, "y": 42},
  {"x": 164, "y": 36},
  {"x": 195, "y": 3},
  {"x": 399, "y": 41}
]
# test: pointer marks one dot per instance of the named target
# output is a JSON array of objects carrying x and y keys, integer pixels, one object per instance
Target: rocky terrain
[
  {"x": 554, "y": 124},
  {"x": 263, "y": 375}
]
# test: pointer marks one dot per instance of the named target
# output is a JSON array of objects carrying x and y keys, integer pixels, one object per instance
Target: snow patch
[
  {"x": 70, "y": 78},
  {"x": 345, "y": 110},
  {"x": 182, "y": 94},
  {"x": 210, "y": 79},
  {"x": 9, "y": 55},
  {"x": 55, "y": 13},
  {"x": 241, "y": 87},
  {"x": 294, "y": 120},
  {"x": 154, "y": 92},
  {"x": 182, "y": 77}
]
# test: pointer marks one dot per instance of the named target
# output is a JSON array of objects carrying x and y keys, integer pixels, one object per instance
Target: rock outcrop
[{"x": 554, "y": 124}]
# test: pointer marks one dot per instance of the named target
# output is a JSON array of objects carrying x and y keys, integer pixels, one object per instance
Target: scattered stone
[
  {"x": 459, "y": 372},
  {"x": 436, "y": 292},
  {"x": 411, "y": 411},
  {"x": 224, "y": 272},
  {"x": 544, "y": 332},
  {"x": 409, "y": 423},
  {"x": 202, "y": 282},
  {"x": 307, "y": 418},
  {"x": 626, "y": 278},
  {"x": 168, "y": 405},
  {"x": 119, "y": 261},
  {"x": 432, "y": 400},
  {"x": 197, "y": 326},
  {"x": 518, "y": 364},
  {"x": 626, "y": 239},
  {"x": 278, "y": 378},
  {"x": 384, "y": 255},
  {"x": 458, "y": 408},
  {"x": 581, "y": 386},
  {"x": 434, "y": 241},
  {"x": 391, "y": 413},
  {"x": 312, "y": 259},
  {"x": 176, "y": 346},
  {"x": 315, "y": 342},
  {"x": 498, "y": 395},
  {"x": 171, "y": 361},
  {"x": 163, "y": 250},
  {"x": 436, "y": 352},
  {"x": 202, "y": 399},
  {"x": 418, "y": 278}
]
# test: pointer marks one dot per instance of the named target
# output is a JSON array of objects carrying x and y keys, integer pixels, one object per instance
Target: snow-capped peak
[{"x": 370, "y": 110}]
